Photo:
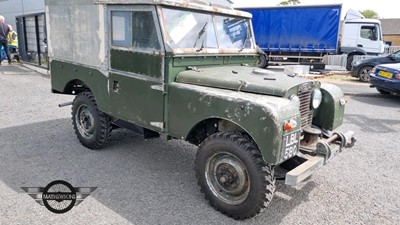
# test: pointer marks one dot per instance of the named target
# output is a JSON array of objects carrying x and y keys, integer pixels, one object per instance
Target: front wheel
[
  {"x": 91, "y": 126},
  {"x": 233, "y": 176},
  {"x": 364, "y": 72}
]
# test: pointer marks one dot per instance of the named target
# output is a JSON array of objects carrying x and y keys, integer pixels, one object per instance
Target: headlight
[
  {"x": 316, "y": 98},
  {"x": 296, "y": 100}
]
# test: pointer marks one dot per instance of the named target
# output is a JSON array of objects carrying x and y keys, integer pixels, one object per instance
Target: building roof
[{"x": 390, "y": 26}]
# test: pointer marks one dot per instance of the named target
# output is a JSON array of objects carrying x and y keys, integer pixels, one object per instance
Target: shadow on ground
[{"x": 145, "y": 181}]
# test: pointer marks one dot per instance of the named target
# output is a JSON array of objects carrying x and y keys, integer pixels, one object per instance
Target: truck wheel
[
  {"x": 349, "y": 61},
  {"x": 91, "y": 126},
  {"x": 233, "y": 176},
  {"x": 363, "y": 74},
  {"x": 263, "y": 62}
]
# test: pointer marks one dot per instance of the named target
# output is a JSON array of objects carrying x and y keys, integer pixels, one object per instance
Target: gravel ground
[{"x": 152, "y": 181}]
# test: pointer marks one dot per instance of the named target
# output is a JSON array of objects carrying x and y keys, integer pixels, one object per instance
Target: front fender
[
  {"x": 261, "y": 116},
  {"x": 330, "y": 113}
]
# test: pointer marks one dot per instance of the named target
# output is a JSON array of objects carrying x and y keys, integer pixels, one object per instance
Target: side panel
[
  {"x": 137, "y": 62},
  {"x": 76, "y": 32},
  {"x": 63, "y": 73},
  {"x": 262, "y": 117},
  {"x": 297, "y": 29},
  {"x": 137, "y": 99}
]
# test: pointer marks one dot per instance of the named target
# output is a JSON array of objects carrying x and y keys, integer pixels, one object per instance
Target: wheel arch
[
  {"x": 210, "y": 126},
  {"x": 75, "y": 87}
]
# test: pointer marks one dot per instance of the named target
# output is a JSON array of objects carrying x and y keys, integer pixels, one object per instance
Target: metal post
[{"x": 38, "y": 40}]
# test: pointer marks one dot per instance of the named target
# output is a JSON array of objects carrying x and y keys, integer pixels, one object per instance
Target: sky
[{"x": 385, "y": 8}]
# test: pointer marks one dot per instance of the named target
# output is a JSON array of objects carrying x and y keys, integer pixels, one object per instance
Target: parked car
[
  {"x": 362, "y": 68},
  {"x": 386, "y": 78}
]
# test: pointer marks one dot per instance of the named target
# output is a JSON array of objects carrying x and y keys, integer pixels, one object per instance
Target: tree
[
  {"x": 370, "y": 14},
  {"x": 290, "y": 2}
]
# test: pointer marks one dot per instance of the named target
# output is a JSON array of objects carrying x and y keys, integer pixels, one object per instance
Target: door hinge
[
  {"x": 158, "y": 87},
  {"x": 157, "y": 124}
]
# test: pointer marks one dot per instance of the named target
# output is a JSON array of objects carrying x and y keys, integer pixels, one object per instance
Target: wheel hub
[
  {"x": 227, "y": 178},
  {"x": 85, "y": 121}
]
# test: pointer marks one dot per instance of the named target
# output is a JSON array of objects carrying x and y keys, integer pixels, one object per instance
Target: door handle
[
  {"x": 359, "y": 45},
  {"x": 116, "y": 86}
]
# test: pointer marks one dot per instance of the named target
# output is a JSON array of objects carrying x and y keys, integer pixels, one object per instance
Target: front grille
[{"x": 306, "y": 113}]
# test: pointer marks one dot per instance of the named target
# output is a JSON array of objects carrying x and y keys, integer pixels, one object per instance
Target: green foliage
[
  {"x": 370, "y": 14},
  {"x": 290, "y": 2}
]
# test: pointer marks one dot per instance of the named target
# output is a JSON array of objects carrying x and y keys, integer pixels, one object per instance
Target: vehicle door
[
  {"x": 136, "y": 78},
  {"x": 370, "y": 38}
]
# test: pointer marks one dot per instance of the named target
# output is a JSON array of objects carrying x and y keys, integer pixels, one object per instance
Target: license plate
[
  {"x": 385, "y": 74},
  {"x": 290, "y": 145}
]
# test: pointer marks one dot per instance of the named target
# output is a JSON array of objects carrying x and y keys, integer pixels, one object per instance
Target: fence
[
  {"x": 341, "y": 60},
  {"x": 391, "y": 50}
]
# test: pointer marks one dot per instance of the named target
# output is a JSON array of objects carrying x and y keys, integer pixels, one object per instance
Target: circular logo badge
[{"x": 59, "y": 196}]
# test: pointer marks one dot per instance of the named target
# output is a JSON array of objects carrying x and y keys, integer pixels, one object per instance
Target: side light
[
  {"x": 343, "y": 101},
  {"x": 373, "y": 71},
  {"x": 289, "y": 125}
]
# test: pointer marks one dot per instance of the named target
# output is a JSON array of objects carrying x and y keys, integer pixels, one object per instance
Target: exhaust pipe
[{"x": 65, "y": 104}]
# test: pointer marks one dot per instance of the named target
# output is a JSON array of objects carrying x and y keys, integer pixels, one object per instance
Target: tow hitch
[{"x": 318, "y": 154}]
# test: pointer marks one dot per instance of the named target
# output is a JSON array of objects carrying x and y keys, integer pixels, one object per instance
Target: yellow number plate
[{"x": 385, "y": 74}]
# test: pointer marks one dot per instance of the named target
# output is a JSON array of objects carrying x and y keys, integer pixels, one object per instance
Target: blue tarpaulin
[{"x": 297, "y": 28}]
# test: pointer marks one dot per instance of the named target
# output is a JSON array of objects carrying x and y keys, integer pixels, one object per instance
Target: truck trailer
[{"x": 304, "y": 34}]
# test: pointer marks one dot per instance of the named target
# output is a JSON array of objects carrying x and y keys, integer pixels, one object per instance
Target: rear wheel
[
  {"x": 233, "y": 176},
  {"x": 91, "y": 126},
  {"x": 363, "y": 74}
]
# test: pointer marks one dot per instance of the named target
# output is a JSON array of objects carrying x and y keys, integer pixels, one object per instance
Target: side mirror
[{"x": 392, "y": 57}]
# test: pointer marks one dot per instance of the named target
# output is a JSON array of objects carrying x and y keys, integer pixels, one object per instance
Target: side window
[
  {"x": 369, "y": 32},
  {"x": 121, "y": 29},
  {"x": 134, "y": 29},
  {"x": 144, "y": 31}
]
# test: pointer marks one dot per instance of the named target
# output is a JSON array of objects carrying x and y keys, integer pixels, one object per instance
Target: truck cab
[
  {"x": 361, "y": 36},
  {"x": 187, "y": 70}
]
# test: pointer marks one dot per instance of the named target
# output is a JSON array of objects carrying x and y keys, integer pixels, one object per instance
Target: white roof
[{"x": 216, "y": 6}]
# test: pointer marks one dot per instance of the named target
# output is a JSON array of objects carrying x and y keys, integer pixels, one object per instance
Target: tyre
[
  {"x": 91, "y": 126},
  {"x": 383, "y": 91},
  {"x": 263, "y": 62},
  {"x": 349, "y": 61},
  {"x": 363, "y": 73},
  {"x": 233, "y": 176}
]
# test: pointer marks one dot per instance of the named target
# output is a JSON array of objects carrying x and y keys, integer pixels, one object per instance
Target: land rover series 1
[{"x": 181, "y": 69}]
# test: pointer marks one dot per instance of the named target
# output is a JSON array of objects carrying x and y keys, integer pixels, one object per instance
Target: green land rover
[{"x": 180, "y": 69}]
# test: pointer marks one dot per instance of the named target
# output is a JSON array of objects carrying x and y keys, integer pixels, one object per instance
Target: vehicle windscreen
[{"x": 188, "y": 29}]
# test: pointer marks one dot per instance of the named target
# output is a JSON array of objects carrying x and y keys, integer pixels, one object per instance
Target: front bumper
[
  {"x": 325, "y": 150},
  {"x": 389, "y": 85}
]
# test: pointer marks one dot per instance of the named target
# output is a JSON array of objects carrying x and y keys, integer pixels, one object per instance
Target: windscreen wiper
[
  {"x": 202, "y": 31},
  {"x": 245, "y": 40}
]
